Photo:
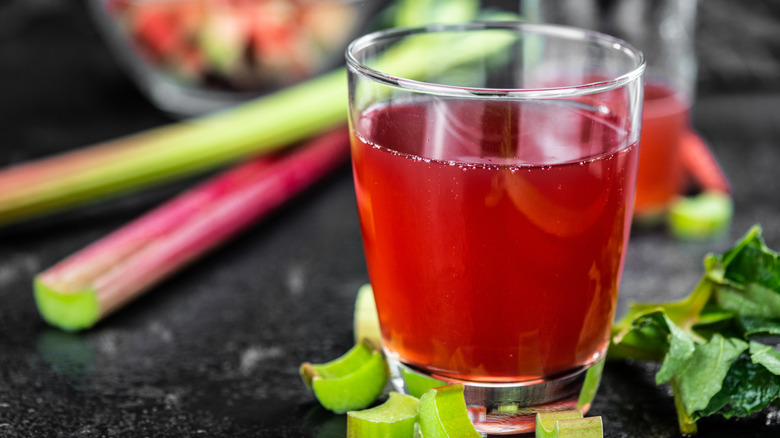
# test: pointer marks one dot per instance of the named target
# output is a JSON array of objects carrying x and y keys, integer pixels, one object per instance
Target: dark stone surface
[{"x": 214, "y": 350}]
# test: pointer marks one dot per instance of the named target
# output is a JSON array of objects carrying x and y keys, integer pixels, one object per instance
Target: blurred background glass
[{"x": 665, "y": 30}]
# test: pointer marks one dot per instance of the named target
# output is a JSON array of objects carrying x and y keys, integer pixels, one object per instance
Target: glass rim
[{"x": 544, "y": 29}]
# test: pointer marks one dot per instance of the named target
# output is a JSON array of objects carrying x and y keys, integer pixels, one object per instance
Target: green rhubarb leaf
[
  {"x": 747, "y": 388},
  {"x": 742, "y": 282},
  {"x": 681, "y": 348},
  {"x": 69, "y": 311},
  {"x": 753, "y": 326},
  {"x": 765, "y": 355},
  {"x": 751, "y": 238},
  {"x": 657, "y": 337},
  {"x": 750, "y": 260},
  {"x": 750, "y": 300},
  {"x": 748, "y": 277},
  {"x": 702, "y": 374},
  {"x": 716, "y": 320},
  {"x": 702, "y": 340},
  {"x": 684, "y": 313},
  {"x": 395, "y": 418},
  {"x": 643, "y": 337}
]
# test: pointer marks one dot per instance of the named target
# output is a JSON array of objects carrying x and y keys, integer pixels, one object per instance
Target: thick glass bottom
[{"x": 507, "y": 408}]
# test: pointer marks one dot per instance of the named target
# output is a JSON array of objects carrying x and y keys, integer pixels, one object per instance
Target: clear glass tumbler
[{"x": 495, "y": 168}]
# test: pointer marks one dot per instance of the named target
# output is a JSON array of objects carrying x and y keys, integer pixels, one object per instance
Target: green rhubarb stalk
[
  {"x": 686, "y": 424},
  {"x": 91, "y": 284},
  {"x": 173, "y": 151}
]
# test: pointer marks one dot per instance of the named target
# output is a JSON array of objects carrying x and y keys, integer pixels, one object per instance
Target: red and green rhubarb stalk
[{"x": 101, "y": 278}]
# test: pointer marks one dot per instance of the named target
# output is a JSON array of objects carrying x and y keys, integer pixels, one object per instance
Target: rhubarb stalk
[
  {"x": 96, "y": 281},
  {"x": 172, "y": 151},
  {"x": 701, "y": 165}
]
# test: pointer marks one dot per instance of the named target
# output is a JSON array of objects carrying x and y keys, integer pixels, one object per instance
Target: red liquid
[
  {"x": 661, "y": 176},
  {"x": 498, "y": 271}
]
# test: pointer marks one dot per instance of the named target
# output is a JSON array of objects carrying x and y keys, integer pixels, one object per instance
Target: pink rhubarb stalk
[
  {"x": 701, "y": 165},
  {"x": 98, "y": 280}
]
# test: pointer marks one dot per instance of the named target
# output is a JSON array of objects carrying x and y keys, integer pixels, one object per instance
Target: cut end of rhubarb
[
  {"x": 396, "y": 418},
  {"x": 366, "y": 319},
  {"x": 568, "y": 424},
  {"x": 71, "y": 311},
  {"x": 350, "y": 382},
  {"x": 703, "y": 217},
  {"x": 442, "y": 413}
]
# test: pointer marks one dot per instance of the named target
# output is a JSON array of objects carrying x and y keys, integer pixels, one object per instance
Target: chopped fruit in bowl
[{"x": 195, "y": 56}]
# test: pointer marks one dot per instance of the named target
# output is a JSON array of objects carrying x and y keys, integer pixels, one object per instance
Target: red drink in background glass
[
  {"x": 661, "y": 174},
  {"x": 495, "y": 253}
]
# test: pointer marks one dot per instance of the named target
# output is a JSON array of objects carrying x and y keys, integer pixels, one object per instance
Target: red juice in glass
[
  {"x": 495, "y": 168},
  {"x": 495, "y": 253},
  {"x": 661, "y": 174}
]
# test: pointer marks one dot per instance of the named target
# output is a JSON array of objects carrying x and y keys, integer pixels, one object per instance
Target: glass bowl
[{"x": 191, "y": 57}]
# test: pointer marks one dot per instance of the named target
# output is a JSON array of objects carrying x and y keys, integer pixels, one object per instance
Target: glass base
[{"x": 507, "y": 408}]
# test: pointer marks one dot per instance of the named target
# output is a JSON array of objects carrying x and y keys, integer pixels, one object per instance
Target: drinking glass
[
  {"x": 664, "y": 30},
  {"x": 494, "y": 168}
]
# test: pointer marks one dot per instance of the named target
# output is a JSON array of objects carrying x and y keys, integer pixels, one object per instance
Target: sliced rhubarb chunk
[
  {"x": 366, "y": 319},
  {"x": 443, "y": 414},
  {"x": 567, "y": 424},
  {"x": 350, "y": 382},
  {"x": 705, "y": 216},
  {"x": 394, "y": 418}
]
